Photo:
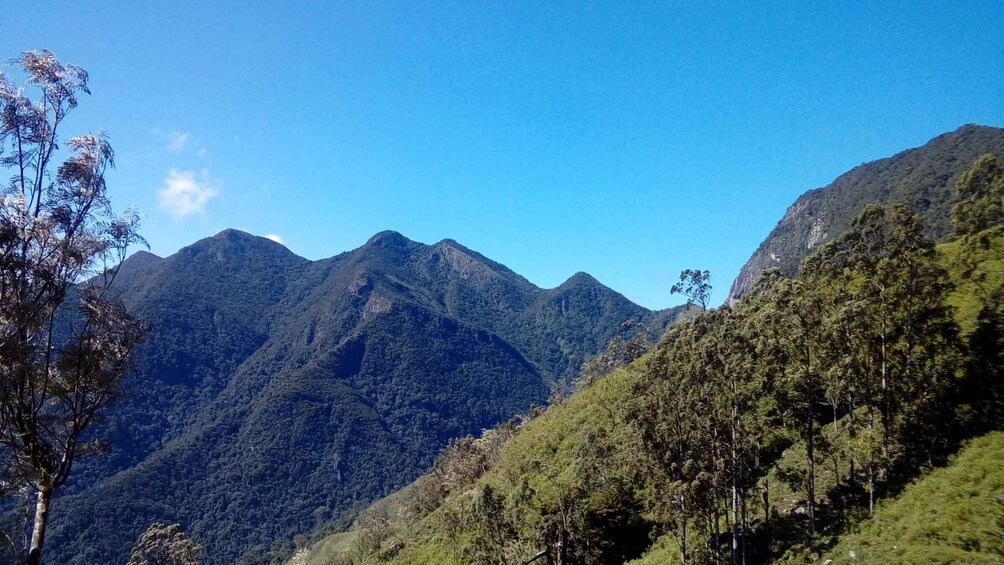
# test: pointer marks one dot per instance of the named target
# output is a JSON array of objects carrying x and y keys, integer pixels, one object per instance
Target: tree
[
  {"x": 981, "y": 194},
  {"x": 893, "y": 347},
  {"x": 64, "y": 343},
  {"x": 620, "y": 352},
  {"x": 696, "y": 419},
  {"x": 696, "y": 286},
  {"x": 163, "y": 544}
]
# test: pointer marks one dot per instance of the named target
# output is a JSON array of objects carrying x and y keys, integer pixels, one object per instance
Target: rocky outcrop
[{"x": 922, "y": 178}]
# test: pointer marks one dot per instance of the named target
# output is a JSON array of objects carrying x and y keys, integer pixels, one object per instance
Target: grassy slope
[{"x": 953, "y": 515}]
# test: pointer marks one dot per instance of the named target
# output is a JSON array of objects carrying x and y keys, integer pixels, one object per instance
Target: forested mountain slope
[
  {"x": 277, "y": 393},
  {"x": 588, "y": 466},
  {"x": 786, "y": 427},
  {"x": 922, "y": 178}
]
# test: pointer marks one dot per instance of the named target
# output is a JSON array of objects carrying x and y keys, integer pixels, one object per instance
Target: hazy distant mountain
[
  {"x": 922, "y": 178},
  {"x": 277, "y": 393}
]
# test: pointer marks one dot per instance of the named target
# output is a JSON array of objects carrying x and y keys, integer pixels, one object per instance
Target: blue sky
[{"x": 629, "y": 140}]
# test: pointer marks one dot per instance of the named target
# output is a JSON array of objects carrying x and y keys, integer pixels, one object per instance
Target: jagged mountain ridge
[
  {"x": 923, "y": 178},
  {"x": 269, "y": 378}
]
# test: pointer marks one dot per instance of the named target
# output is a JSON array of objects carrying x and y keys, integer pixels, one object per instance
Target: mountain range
[
  {"x": 277, "y": 393},
  {"x": 625, "y": 469}
]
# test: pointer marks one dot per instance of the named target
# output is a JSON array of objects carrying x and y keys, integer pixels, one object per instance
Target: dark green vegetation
[
  {"x": 163, "y": 544},
  {"x": 922, "y": 178},
  {"x": 784, "y": 427},
  {"x": 276, "y": 394}
]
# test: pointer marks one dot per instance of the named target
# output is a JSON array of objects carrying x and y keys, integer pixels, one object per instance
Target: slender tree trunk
[
  {"x": 766, "y": 509},
  {"x": 730, "y": 529},
  {"x": 735, "y": 470},
  {"x": 871, "y": 490},
  {"x": 683, "y": 533},
  {"x": 563, "y": 546},
  {"x": 871, "y": 464},
  {"x": 810, "y": 469},
  {"x": 718, "y": 530},
  {"x": 38, "y": 532},
  {"x": 886, "y": 398},
  {"x": 745, "y": 526},
  {"x": 851, "y": 431}
]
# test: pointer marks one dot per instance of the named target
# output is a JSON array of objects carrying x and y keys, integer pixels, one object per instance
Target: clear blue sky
[{"x": 625, "y": 139}]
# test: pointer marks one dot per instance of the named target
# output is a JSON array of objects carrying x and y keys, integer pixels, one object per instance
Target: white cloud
[
  {"x": 184, "y": 194},
  {"x": 176, "y": 141},
  {"x": 275, "y": 238}
]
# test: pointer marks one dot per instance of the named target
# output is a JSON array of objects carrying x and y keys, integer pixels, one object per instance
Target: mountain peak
[
  {"x": 462, "y": 257},
  {"x": 921, "y": 177},
  {"x": 580, "y": 278},
  {"x": 236, "y": 236},
  {"x": 388, "y": 238},
  {"x": 231, "y": 244},
  {"x": 448, "y": 242},
  {"x": 231, "y": 234},
  {"x": 145, "y": 256}
]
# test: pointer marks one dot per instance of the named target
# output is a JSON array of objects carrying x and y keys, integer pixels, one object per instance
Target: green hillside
[
  {"x": 788, "y": 419},
  {"x": 953, "y": 515}
]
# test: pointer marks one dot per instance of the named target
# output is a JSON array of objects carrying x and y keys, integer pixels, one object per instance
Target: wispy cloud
[
  {"x": 185, "y": 194},
  {"x": 176, "y": 141},
  {"x": 274, "y": 238}
]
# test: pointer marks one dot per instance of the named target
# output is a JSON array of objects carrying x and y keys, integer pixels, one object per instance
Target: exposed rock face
[
  {"x": 464, "y": 265},
  {"x": 375, "y": 306},
  {"x": 816, "y": 234},
  {"x": 922, "y": 178}
]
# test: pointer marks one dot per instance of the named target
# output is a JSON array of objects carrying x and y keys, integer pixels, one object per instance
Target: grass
[{"x": 955, "y": 514}]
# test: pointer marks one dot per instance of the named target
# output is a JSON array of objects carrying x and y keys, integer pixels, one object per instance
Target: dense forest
[
  {"x": 275, "y": 394},
  {"x": 789, "y": 426}
]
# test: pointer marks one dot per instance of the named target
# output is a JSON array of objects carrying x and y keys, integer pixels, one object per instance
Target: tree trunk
[
  {"x": 886, "y": 399},
  {"x": 735, "y": 471},
  {"x": 729, "y": 527},
  {"x": 851, "y": 432},
  {"x": 766, "y": 509},
  {"x": 38, "y": 532},
  {"x": 810, "y": 470},
  {"x": 683, "y": 540},
  {"x": 718, "y": 530},
  {"x": 745, "y": 527},
  {"x": 871, "y": 490},
  {"x": 871, "y": 466},
  {"x": 562, "y": 546}
]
